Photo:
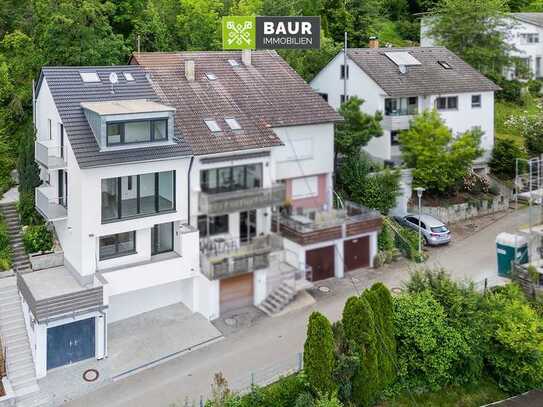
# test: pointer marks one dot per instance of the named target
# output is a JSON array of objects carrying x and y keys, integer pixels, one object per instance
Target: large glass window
[
  {"x": 447, "y": 103},
  {"x": 162, "y": 238},
  {"x": 212, "y": 225},
  {"x": 401, "y": 106},
  {"x": 138, "y": 195},
  {"x": 137, "y": 131},
  {"x": 231, "y": 178},
  {"x": 120, "y": 244}
]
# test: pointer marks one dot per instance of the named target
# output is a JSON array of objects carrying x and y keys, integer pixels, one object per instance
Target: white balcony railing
[
  {"x": 49, "y": 205},
  {"x": 49, "y": 155}
]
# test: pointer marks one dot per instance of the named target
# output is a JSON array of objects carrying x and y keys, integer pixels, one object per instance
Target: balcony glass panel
[
  {"x": 110, "y": 199},
  {"x": 401, "y": 106},
  {"x": 165, "y": 191},
  {"x": 147, "y": 193},
  {"x": 129, "y": 200}
]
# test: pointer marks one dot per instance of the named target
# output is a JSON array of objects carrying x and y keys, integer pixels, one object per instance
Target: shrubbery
[
  {"x": 319, "y": 354},
  {"x": 27, "y": 210},
  {"x": 504, "y": 155},
  {"x": 5, "y": 248},
  {"x": 37, "y": 239}
]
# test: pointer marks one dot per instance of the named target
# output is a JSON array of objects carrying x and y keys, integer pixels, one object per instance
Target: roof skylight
[
  {"x": 232, "y": 123},
  {"x": 211, "y": 76},
  {"x": 89, "y": 76},
  {"x": 402, "y": 58},
  {"x": 128, "y": 76},
  {"x": 444, "y": 64},
  {"x": 233, "y": 62},
  {"x": 212, "y": 125}
]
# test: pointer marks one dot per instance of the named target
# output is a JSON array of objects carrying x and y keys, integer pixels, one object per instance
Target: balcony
[
  {"x": 396, "y": 122},
  {"x": 48, "y": 154},
  {"x": 241, "y": 200},
  {"x": 49, "y": 205},
  {"x": 313, "y": 226},
  {"x": 221, "y": 258}
]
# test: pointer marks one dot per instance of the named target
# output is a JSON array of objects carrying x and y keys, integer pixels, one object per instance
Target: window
[
  {"x": 529, "y": 38},
  {"x": 212, "y": 125},
  {"x": 137, "y": 131},
  {"x": 49, "y": 124},
  {"x": 212, "y": 225},
  {"x": 162, "y": 238},
  {"x": 444, "y": 64},
  {"x": 475, "y": 100},
  {"x": 226, "y": 179},
  {"x": 447, "y": 103},
  {"x": 342, "y": 72},
  {"x": 401, "y": 106},
  {"x": 128, "y": 76},
  {"x": 232, "y": 123},
  {"x": 324, "y": 96},
  {"x": 395, "y": 137},
  {"x": 211, "y": 76},
  {"x": 233, "y": 62},
  {"x": 120, "y": 244},
  {"x": 342, "y": 98},
  {"x": 138, "y": 195},
  {"x": 89, "y": 77},
  {"x": 306, "y": 187}
]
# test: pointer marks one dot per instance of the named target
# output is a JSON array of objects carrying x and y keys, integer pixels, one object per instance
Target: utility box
[{"x": 507, "y": 245}]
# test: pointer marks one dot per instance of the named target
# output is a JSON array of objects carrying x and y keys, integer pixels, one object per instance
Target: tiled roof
[
  {"x": 69, "y": 91},
  {"x": 267, "y": 93},
  {"x": 532, "y": 18},
  {"x": 428, "y": 78}
]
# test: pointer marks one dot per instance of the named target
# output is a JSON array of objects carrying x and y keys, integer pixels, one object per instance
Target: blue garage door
[{"x": 70, "y": 343}]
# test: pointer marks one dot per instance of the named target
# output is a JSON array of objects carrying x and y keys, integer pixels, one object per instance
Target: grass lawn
[
  {"x": 504, "y": 110},
  {"x": 485, "y": 392}
]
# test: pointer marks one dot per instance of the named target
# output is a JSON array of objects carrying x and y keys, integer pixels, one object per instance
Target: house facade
[
  {"x": 401, "y": 82},
  {"x": 525, "y": 35}
]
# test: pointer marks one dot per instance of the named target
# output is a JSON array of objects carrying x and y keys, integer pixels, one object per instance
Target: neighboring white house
[
  {"x": 401, "y": 82},
  {"x": 526, "y": 36},
  {"x": 163, "y": 182}
]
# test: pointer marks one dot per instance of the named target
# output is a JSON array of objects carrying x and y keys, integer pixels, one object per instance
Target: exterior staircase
[
  {"x": 19, "y": 258},
  {"x": 19, "y": 362},
  {"x": 279, "y": 298}
]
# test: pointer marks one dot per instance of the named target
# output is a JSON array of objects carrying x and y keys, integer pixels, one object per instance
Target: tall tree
[
  {"x": 200, "y": 25},
  {"x": 476, "y": 30},
  {"x": 319, "y": 354}
]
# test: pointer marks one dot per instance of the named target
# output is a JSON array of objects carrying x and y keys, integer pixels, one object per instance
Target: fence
[{"x": 260, "y": 377}]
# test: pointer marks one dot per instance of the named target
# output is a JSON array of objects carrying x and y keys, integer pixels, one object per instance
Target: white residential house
[
  {"x": 525, "y": 35},
  {"x": 401, "y": 82}
]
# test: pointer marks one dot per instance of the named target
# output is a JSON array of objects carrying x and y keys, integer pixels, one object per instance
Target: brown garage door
[
  {"x": 357, "y": 253},
  {"x": 236, "y": 292},
  {"x": 321, "y": 261}
]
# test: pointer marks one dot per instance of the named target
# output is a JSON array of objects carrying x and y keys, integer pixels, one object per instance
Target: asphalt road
[{"x": 272, "y": 340}]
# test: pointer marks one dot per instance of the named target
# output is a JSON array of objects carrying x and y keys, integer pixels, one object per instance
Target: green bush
[
  {"x": 504, "y": 155},
  {"x": 328, "y": 401},
  {"x": 27, "y": 210},
  {"x": 319, "y": 354},
  {"x": 305, "y": 399},
  {"x": 283, "y": 393},
  {"x": 37, "y": 239},
  {"x": 5, "y": 248},
  {"x": 534, "y": 87},
  {"x": 407, "y": 241},
  {"x": 347, "y": 362},
  {"x": 511, "y": 90}
]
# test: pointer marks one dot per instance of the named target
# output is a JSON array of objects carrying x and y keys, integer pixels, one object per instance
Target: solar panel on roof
[{"x": 402, "y": 58}]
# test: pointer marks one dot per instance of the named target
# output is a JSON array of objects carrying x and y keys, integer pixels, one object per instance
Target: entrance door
[
  {"x": 247, "y": 225},
  {"x": 236, "y": 292},
  {"x": 357, "y": 253},
  {"x": 70, "y": 343},
  {"x": 321, "y": 262}
]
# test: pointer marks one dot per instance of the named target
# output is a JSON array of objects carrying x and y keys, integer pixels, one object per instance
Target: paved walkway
[{"x": 273, "y": 339}]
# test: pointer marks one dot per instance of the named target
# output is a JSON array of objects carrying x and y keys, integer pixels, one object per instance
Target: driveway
[{"x": 270, "y": 342}]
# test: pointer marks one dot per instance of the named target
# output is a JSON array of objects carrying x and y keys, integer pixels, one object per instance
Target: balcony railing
[
  {"x": 226, "y": 257},
  {"x": 242, "y": 200},
  {"x": 49, "y": 155},
  {"x": 49, "y": 205}
]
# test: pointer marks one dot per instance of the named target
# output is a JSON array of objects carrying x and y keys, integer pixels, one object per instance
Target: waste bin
[{"x": 506, "y": 246}]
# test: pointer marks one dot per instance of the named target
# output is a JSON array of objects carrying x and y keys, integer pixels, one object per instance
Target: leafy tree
[
  {"x": 153, "y": 32},
  {"x": 439, "y": 161},
  {"x": 504, "y": 155},
  {"x": 475, "y": 30},
  {"x": 347, "y": 362},
  {"x": 319, "y": 354},
  {"x": 26, "y": 165},
  {"x": 199, "y": 24},
  {"x": 359, "y": 326},
  {"x": 357, "y": 129}
]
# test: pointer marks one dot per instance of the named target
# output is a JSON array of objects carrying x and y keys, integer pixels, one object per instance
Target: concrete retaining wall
[
  {"x": 468, "y": 210},
  {"x": 42, "y": 261}
]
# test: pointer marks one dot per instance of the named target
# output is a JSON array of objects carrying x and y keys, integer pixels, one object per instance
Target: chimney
[
  {"x": 189, "y": 70},
  {"x": 246, "y": 57},
  {"x": 374, "y": 42}
]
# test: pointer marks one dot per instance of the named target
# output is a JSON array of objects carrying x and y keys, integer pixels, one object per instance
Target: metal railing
[
  {"x": 49, "y": 154},
  {"x": 241, "y": 200},
  {"x": 50, "y": 206}
]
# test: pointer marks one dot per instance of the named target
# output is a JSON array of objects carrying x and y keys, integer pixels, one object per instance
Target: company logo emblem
[{"x": 239, "y": 32}]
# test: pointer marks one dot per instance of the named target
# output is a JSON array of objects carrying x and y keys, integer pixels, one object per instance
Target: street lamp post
[{"x": 420, "y": 190}]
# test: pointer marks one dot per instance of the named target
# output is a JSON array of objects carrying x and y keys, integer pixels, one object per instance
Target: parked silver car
[{"x": 433, "y": 230}]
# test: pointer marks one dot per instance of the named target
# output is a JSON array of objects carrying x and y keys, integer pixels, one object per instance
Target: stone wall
[{"x": 467, "y": 210}]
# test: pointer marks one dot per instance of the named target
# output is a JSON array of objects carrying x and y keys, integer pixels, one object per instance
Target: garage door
[
  {"x": 321, "y": 262},
  {"x": 357, "y": 253},
  {"x": 236, "y": 292},
  {"x": 70, "y": 343}
]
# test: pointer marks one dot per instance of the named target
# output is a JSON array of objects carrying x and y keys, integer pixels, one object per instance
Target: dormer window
[
  {"x": 137, "y": 131},
  {"x": 232, "y": 123},
  {"x": 212, "y": 125}
]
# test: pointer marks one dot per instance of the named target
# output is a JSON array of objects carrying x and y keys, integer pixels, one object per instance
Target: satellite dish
[
  {"x": 113, "y": 78},
  {"x": 403, "y": 69}
]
